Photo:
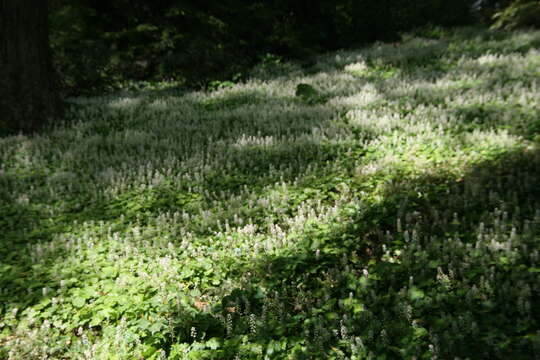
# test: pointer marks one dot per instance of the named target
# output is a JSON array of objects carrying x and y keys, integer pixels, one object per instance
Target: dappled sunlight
[
  {"x": 125, "y": 102},
  {"x": 166, "y": 220},
  {"x": 357, "y": 68},
  {"x": 367, "y": 95},
  {"x": 254, "y": 141}
]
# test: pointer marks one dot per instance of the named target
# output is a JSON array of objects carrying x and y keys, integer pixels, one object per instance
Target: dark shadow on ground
[{"x": 325, "y": 279}]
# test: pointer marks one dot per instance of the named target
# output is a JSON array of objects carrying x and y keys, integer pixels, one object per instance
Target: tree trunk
[{"x": 28, "y": 93}]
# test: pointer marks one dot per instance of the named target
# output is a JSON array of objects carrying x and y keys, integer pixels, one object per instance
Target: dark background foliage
[{"x": 98, "y": 45}]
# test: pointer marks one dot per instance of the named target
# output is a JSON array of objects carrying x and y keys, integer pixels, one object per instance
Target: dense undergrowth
[{"x": 382, "y": 204}]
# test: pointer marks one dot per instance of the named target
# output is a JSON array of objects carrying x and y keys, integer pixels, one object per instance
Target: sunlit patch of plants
[{"x": 382, "y": 204}]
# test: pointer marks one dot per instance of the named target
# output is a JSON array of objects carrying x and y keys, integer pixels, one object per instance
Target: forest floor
[{"x": 382, "y": 203}]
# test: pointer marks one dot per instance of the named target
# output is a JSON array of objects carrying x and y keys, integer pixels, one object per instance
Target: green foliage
[
  {"x": 308, "y": 94},
  {"x": 519, "y": 14},
  {"x": 383, "y": 204},
  {"x": 100, "y": 45}
]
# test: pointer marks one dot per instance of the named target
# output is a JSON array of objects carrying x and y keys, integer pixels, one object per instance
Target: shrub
[{"x": 518, "y": 15}]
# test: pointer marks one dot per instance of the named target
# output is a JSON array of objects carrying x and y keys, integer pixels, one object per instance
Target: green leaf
[
  {"x": 186, "y": 273},
  {"x": 156, "y": 327},
  {"x": 308, "y": 94},
  {"x": 144, "y": 324},
  {"x": 332, "y": 316},
  {"x": 420, "y": 332},
  {"x": 96, "y": 320},
  {"x": 148, "y": 351},
  {"x": 214, "y": 343},
  {"x": 78, "y": 302},
  {"x": 305, "y": 90},
  {"x": 5, "y": 268},
  {"x": 109, "y": 272},
  {"x": 43, "y": 304},
  {"x": 415, "y": 293}
]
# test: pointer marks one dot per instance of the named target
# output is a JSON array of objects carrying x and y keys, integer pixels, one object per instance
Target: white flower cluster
[{"x": 172, "y": 189}]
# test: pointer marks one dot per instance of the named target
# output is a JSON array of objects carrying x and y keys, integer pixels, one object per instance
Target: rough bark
[{"x": 28, "y": 92}]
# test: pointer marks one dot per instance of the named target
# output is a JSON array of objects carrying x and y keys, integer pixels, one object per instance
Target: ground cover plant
[{"x": 383, "y": 203}]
